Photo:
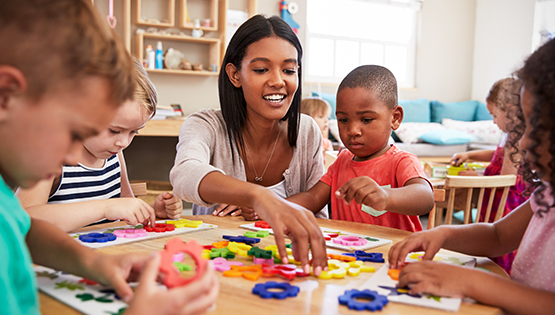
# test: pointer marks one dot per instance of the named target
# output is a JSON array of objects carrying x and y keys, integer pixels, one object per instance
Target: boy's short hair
[
  {"x": 313, "y": 106},
  {"x": 58, "y": 43},
  {"x": 145, "y": 92},
  {"x": 373, "y": 78}
]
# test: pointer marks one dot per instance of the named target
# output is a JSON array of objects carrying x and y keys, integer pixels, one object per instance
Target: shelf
[
  {"x": 214, "y": 46},
  {"x": 188, "y": 24},
  {"x": 171, "y": 14},
  {"x": 188, "y": 72},
  {"x": 162, "y": 128}
]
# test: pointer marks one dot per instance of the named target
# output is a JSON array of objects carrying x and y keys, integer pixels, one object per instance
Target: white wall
[{"x": 503, "y": 39}]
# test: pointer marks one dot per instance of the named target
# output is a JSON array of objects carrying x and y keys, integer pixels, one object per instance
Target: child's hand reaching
[
  {"x": 193, "y": 298},
  {"x": 459, "y": 158},
  {"x": 168, "y": 206},
  {"x": 365, "y": 191},
  {"x": 131, "y": 210},
  {"x": 437, "y": 278},
  {"x": 429, "y": 241}
]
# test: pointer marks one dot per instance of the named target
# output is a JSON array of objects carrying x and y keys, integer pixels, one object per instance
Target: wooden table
[{"x": 316, "y": 297}]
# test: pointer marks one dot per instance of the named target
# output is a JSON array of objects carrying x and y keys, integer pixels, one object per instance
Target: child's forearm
[
  {"x": 412, "y": 199},
  {"x": 70, "y": 216},
  {"x": 513, "y": 297},
  {"x": 47, "y": 244},
  {"x": 314, "y": 199},
  {"x": 481, "y": 155}
]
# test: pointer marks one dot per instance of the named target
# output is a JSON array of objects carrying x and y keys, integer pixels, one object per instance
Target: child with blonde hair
[
  {"x": 503, "y": 103},
  {"x": 61, "y": 82},
  {"x": 388, "y": 185},
  {"x": 530, "y": 227},
  {"x": 319, "y": 110},
  {"x": 98, "y": 188}
]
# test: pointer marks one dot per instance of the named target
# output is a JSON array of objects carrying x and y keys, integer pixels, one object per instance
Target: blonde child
[
  {"x": 91, "y": 191},
  {"x": 319, "y": 110},
  {"x": 388, "y": 185},
  {"x": 61, "y": 82},
  {"x": 503, "y": 103},
  {"x": 530, "y": 227}
]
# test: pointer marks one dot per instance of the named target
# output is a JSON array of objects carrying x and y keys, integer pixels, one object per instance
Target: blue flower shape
[
  {"x": 364, "y": 256},
  {"x": 97, "y": 237},
  {"x": 377, "y": 302},
  {"x": 288, "y": 290},
  {"x": 241, "y": 239}
]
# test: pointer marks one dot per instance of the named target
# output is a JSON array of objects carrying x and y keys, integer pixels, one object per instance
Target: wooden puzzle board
[
  {"x": 372, "y": 241},
  {"x": 77, "y": 293},
  {"x": 383, "y": 284},
  {"x": 150, "y": 235}
]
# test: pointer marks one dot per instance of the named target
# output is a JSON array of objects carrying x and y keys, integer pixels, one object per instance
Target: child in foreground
[
  {"x": 530, "y": 227},
  {"x": 503, "y": 103},
  {"x": 388, "y": 185},
  {"x": 61, "y": 82},
  {"x": 90, "y": 191}
]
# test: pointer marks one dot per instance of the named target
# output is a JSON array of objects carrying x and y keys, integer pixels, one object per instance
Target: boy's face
[
  {"x": 365, "y": 122},
  {"x": 38, "y": 137},
  {"x": 129, "y": 119}
]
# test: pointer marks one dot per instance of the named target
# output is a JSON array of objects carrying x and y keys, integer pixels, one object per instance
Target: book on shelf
[{"x": 168, "y": 112}]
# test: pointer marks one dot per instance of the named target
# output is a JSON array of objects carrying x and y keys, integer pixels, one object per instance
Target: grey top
[{"x": 204, "y": 147}]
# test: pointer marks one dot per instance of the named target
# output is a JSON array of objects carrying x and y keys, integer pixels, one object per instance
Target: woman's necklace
[{"x": 256, "y": 178}]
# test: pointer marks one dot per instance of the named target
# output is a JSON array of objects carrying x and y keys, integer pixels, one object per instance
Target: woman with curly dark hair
[{"x": 530, "y": 227}]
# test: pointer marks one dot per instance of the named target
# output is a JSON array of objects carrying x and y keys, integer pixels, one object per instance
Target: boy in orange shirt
[{"x": 388, "y": 185}]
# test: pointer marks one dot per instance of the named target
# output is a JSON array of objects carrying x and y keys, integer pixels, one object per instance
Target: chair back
[
  {"x": 439, "y": 195},
  {"x": 478, "y": 182}
]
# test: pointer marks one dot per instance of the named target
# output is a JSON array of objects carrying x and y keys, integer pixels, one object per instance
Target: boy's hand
[
  {"x": 131, "y": 210},
  {"x": 365, "y": 191},
  {"x": 437, "y": 278},
  {"x": 168, "y": 206},
  {"x": 193, "y": 298},
  {"x": 428, "y": 241},
  {"x": 224, "y": 209}
]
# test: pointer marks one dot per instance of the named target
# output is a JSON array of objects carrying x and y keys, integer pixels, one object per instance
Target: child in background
[
  {"x": 388, "y": 185},
  {"x": 503, "y": 103},
  {"x": 61, "y": 82},
  {"x": 100, "y": 179},
  {"x": 530, "y": 227},
  {"x": 319, "y": 110}
]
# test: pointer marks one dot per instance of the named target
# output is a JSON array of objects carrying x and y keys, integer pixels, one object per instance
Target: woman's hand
[
  {"x": 168, "y": 206},
  {"x": 249, "y": 214},
  {"x": 299, "y": 224},
  {"x": 224, "y": 209},
  {"x": 429, "y": 241}
]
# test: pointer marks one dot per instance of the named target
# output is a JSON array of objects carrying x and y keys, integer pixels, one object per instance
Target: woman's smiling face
[{"x": 268, "y": 77}]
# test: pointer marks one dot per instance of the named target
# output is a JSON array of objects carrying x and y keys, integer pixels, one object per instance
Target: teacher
[{"x": 258, "y": 149}]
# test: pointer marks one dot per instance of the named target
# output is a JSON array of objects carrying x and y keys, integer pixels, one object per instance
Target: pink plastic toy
[
  {"x": 130, "y": 233},
  {"x": 173, "y": 247},
  {"x": 350, "y": 240}
]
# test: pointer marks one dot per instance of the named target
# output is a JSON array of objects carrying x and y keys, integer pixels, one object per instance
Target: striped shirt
[{"x": 81, "y": 183}]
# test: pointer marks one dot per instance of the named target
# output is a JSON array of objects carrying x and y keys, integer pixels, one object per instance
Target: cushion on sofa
[
  {"x": 446, "y": 137},
  {"x": 464, "y": 111},
  {"x": 330, "y": 98},
  {"x": 410, "y": 132},
  {"x": 484, "y": 131},
  {"x": 416, "y": 110},
  {"x": 482, "y": 112}
]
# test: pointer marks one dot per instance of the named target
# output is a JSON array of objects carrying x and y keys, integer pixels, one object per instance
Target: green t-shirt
[{"x": 18, "y": 288}]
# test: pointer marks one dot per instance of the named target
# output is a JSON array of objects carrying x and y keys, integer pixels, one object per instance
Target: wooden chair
[
  {"x": 439, "y": 195},
  {"x": 478, "y": 182}
]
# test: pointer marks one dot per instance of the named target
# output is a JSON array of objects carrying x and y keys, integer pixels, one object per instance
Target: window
[{"x": 343, "y": 34}]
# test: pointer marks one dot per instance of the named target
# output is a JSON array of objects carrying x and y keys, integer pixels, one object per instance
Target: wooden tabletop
[{"x": 316, "y": 297}]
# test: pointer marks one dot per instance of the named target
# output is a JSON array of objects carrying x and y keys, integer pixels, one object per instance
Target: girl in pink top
[{"x": 530, "y": 227}]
